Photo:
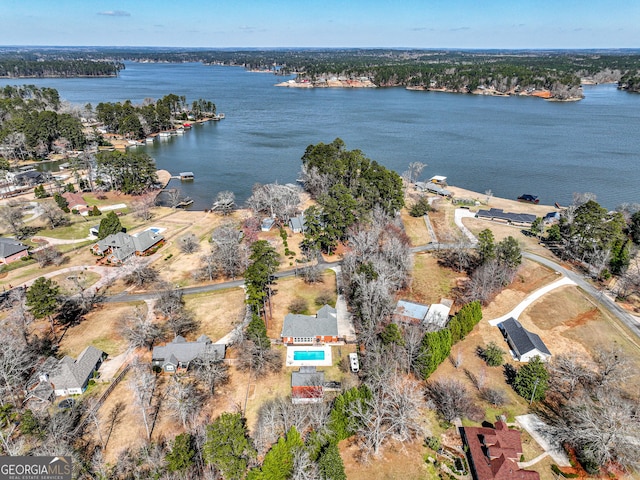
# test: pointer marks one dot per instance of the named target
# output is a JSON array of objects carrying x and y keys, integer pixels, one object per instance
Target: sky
[{"x": 328, "y": 23}]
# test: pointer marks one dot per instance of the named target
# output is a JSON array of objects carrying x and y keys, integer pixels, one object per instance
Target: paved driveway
[{"x": 537, "y": 429}]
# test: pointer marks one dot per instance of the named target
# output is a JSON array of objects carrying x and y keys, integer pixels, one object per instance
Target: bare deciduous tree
[
  {"x": 393, "y": 411},
  {"x": 494, "y": 396},
  {"x": 450, "y": 398},
  {"x": 210, "y": 370},
  {"x": 227, "y": 250},
  {"x": 224, "y": 203},
  {"x": 11, "y": 218},
  {"x": 139, "y": 330},
  {"x": 49, "y": 255},
  {"x": 183, "y": 399},
  {"x": 139, "y": 273},
  {"x": 141, "y": 206},
  {"x": 275, "y": 200},
  {"x": 52, "y": 213},
  {"x": 142, "y": 383},
  {"x": 260, "y": 360},
  {"x": 603, "y": 428},
  {"x": 188, "y": 243}
]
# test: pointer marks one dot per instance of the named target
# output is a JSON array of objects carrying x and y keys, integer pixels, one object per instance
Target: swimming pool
[{"x": 308, "y": 355}]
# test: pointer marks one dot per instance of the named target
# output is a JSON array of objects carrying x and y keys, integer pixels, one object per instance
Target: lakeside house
[
  {"x": 177, "y": 356},
  {"x": 433, "y": 188},
  {"x": 12, "y": 250},
  {"x": 307, "y": 386},
  {"x": 524, "y": 344},
  {"x": 67, "y": 376},
  {"x": 434, "y": 317},
  {"x": 493, "y": 453},
  {"x": 118, "y": 247},
  {"x": 498, "y": 215},
  {"x": 309, "y": 329},
  {"x": 297, "y": 223}
]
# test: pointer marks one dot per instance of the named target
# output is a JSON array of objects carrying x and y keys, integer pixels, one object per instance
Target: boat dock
[{"x": 184, "y": 176}]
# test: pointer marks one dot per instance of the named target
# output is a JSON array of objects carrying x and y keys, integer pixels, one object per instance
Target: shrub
[
  {"x": 420, "y": 208},
  {"x": 494, "y": 396},
  {"x": 298, "y": 305},
  {"x": 433, "y": 443},
  {"x": 324, "y": 298},
  {"x": 492, "y": 355}
]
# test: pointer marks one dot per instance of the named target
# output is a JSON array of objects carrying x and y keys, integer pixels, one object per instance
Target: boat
[
  {"x": 186, "y": 126},
  {"x": 528, "y": 198},
  {"x": 180, "y": 131},
  {"x": 164, "y": 134},
  {"x": 149, "y": 139}
]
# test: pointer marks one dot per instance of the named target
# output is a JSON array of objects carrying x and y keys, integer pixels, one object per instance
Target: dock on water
[{"x": 185, "y": 176}]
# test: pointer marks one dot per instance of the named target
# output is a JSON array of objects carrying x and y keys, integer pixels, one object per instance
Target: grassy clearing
[
  {"x": 218, "y": 311},
  {"x": 67, "y": 284},
  {"x": 100, "y": 329},
  {"x": 430, "y": 282},
  {"x": 415, "y": 228}
]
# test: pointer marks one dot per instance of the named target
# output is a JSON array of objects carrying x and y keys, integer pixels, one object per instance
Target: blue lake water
[{"x": 509, "y": 145}]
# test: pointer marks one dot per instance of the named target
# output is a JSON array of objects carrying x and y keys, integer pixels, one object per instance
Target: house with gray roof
[
  {"x": 178, "y": 355},
  {"x": 11, "y": 250},
  {"x": 69, "y": 376},
  {"x": 499, "y": 215},
  {"x": 308, "y": 329},
  {"x": 524, "y": 344},
  {"x": 297, "y": 224},
  {"x": 118, "y": 247}
]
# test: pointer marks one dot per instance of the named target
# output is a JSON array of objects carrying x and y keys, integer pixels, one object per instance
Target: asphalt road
[{"x": 600, "y": 297}]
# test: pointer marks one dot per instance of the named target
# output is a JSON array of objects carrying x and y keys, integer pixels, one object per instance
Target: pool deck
[{"x": 326, "y": 362}]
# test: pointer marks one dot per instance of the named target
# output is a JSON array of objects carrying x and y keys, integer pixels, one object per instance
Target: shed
[
  {"x": 186, "y": 176},
  {"x": 307, "y": 386},
  {"x": 438, "y": 179},
  {"x": 267, "y": 224}
]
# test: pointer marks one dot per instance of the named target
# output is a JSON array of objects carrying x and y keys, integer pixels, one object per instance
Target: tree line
[
  {"x": 137, "y": 121},
  {"x": 21, "y": 68}
]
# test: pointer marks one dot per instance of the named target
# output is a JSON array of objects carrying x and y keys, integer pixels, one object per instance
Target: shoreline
[{"x": 338, "y": 83}]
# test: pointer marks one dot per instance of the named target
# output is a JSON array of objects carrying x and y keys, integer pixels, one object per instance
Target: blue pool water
[{"x": 308, "y": 355}]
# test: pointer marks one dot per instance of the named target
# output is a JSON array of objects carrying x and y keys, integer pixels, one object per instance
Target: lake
[{"x": 511, "y": 145}]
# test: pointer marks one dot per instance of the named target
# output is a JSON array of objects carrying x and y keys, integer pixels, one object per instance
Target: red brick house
[
  {"x": 309, "y": 329},
  {"x": 494, "y": 453},
  {"x": 11, "y": 250}
]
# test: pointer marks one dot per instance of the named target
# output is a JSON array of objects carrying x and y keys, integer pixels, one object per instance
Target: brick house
[
  {"x": 11, "y": 250},
  {"x": 494, "y": 452},
  {"x": 309, "y": 329}
]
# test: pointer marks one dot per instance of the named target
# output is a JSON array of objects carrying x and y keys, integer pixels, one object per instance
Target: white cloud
[{"x": 115, "y": 13}]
